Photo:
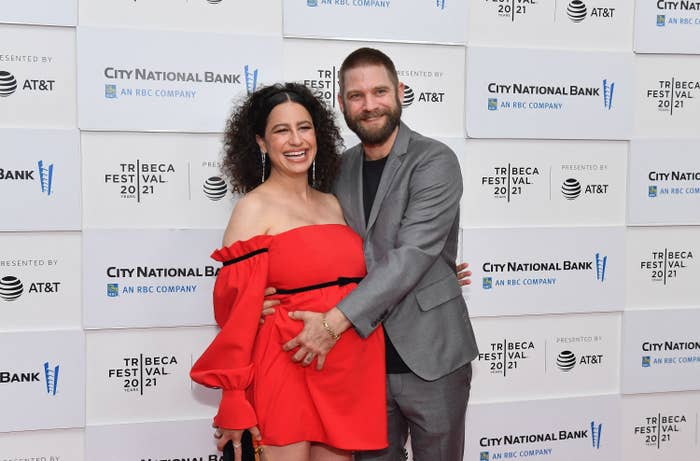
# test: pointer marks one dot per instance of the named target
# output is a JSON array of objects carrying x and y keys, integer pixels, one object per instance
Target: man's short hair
[{"x": 367, "y": 57}]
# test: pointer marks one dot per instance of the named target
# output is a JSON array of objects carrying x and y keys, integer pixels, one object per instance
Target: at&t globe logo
[
  {"x": 566, "y": 360},
  {"x": 8, "y": 84},
  {"x": 408, "y": 96},
  {"x": 576, "y": 11},
  {"x": 11, "y": 288},
  {"x": 215, "y": 188},
  {"x": 571, "y": 189}
]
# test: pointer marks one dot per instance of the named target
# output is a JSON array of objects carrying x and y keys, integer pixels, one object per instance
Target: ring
[
  {"x": 236, "y": 445},
  {"x": 218, "y": 434},
  {"x": 308, "y": 358}
]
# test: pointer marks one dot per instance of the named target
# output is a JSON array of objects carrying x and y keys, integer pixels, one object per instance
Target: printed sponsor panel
[
  {"x": 37, "y": 77},
  {"x": 531, "y": 183},
  {"x": 546, "y": 356},
  {"x": 600, "y": 24},
  {"x": 572, "y": 429},
  {"x": 186, "y": 440},
  {"x": 660, "y": 350},
  {"x": 46, "y": 12},
  {"x": 42, "y": 379},
  {"x": 126, "y": 86},
  {"x": 544, "y": 270},
  {"x": 433, "y": 75},
  {"x": 137, "y": 375},
  {"x": 146, "y": 278},
  {"x": 50, "y": 445},
  {"x": 40, "y": 176},
  {"x": 226, "y": 16},
  {"x": 664, "y": 185},
  {"x": 667, "y": 26},
  {"x": 40, "y": 280},
  {"x": 548, "y": 93},
  {"x": 668, "y": 95},
  {"x": 661, "y": 267},
  {"x": 660, "y": 426},
  {"x": 145, "y": 180},
  {"x": 430, "y": 21}
]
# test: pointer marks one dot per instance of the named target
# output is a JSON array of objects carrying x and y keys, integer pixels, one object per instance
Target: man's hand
[
  {"x": 314, "y": 340},
  {"x": 268, "y": 304},
  {"x": 463, "y": 274},
  {"x": 222, "y": 436}
]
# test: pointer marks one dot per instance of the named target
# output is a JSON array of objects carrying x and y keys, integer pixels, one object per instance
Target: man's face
[{"x": 370, "y": 103}]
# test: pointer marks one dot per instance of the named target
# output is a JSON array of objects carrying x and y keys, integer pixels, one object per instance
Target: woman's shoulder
[{"x": 248, "y": 219}]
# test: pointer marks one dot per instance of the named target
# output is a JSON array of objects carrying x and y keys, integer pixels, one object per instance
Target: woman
[{"x": 287, "y": 231}]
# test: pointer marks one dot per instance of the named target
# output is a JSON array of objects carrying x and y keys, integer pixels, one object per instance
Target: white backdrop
[{"x": 575, "y": 124}]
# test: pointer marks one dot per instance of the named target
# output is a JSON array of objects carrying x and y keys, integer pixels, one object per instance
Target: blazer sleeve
[
  {"x": 433, "y": 206},
  {"x": 227, "y": 362}
]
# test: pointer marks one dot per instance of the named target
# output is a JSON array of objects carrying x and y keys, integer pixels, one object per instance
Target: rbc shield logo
[
  {"x": 46, "y": 177},
  {"x": 51, "y": 375},
  {"x": 493, "y": 104},
  {"x": 595, "y": 434},
  {"x": 608, "y": 91},
  {"x": 311, "y": 2},
  {"x": 660, "y": 20},
  {"x": 251, "y": 79},
  {"x": 484, "y": 456},
  {"x": 440, "y": 4},
  {"x": 111, "y": 91},
  {"x": 112, "y": 290},
  {"x": 601, "y": 263},
  {"x": 487, "y": 283},
  {"x": 653, "y": 190},
  {"x": 646, "y": 361}
]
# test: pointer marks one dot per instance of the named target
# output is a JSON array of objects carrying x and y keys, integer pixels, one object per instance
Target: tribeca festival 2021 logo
[
  {"x": 43, "y": 174},
  {"x": 657, "y": 431},
  {"x": 677, "y": 13},
  {"x": 519, "y": 96},
  {"x": 124, "y": 286},
  {"x": 666, "y": 265},
  {"x": 503, "y": 357},
  {"x": 168, "y": 84},
  {"x": 510, "y": 181},
  {"x": 546, "y": 272},
  {"x": 670, "y": 353},
  {"x": 48, "y": 372},
  {"x": 673, "y": 183},
  {"x": 510, "y": 446},
  {"x": 673, "y": 95},
  {"x": 139, "y": 180},
  {"x": 142, "y": 372}
]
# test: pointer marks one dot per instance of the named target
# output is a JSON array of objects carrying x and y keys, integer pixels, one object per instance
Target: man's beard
[{"x": 378, "y": 135}]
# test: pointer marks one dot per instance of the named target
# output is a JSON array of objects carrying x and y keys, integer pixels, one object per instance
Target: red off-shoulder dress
[{"x": 343, "y": 405}]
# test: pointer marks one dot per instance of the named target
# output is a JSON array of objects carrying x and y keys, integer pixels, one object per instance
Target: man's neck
[{"x": 379, "y": 151}]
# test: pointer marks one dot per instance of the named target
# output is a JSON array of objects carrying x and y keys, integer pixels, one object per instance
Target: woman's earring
[
  {"x": 313, "y": 174},
  {"x": 262, "y": 158}
]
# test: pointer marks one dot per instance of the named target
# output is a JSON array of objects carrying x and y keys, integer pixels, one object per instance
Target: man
[{"x": 400, "y": 191}]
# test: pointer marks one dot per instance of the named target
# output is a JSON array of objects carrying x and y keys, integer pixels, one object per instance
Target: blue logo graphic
[
  {"x": 46, "y": 177},
  {"x": 484, "y": 456},
  {"x": 660, "y": 20},
  {"x": 311, "y": 2},
  {"x": 600, "y": 265},
  {"x": 251, "y": 79},
  {"x": 112, "y": 290},
  {"x": 487, "y": 283},
  {"x": 653, "y": 191},
  {"x": 608, "y": 90},
  {"x": 646, "y": 361},
  {"x": 111, "y": 91},
  {"x": 440, "y": 4},
  {"x": 493, "y": 103},
  {"x": 51, "y": 378},
  {"x": 595, "y": 434}
]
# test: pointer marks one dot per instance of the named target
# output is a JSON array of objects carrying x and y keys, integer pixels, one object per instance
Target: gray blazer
[{"x": 410, "y": 245}]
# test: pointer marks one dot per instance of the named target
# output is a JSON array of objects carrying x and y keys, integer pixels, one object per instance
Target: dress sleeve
[{"x": 227, "y": 362}]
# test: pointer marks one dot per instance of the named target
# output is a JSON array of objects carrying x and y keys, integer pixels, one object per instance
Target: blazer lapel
[{"x": 392, "y": 166}]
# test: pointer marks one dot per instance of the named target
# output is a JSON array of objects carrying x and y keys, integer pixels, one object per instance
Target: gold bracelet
[{"x": 333, "y": 334}]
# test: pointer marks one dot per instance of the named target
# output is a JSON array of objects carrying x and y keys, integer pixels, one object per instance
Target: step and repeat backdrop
[{"x": 576, "y": 126}]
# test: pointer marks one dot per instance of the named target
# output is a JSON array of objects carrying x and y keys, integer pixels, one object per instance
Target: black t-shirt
[{"x": 371, "y": 175}]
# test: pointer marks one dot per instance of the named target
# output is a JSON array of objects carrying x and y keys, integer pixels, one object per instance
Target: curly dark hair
[{"x": 242, "y": 160}]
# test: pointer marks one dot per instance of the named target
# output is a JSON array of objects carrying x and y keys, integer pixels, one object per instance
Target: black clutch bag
[{"x": 249, "y": 453}]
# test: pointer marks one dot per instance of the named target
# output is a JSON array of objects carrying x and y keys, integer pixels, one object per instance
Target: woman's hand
[{"x": 222, "y": 437}]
